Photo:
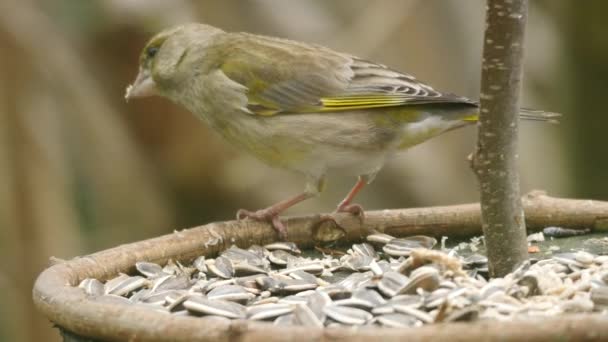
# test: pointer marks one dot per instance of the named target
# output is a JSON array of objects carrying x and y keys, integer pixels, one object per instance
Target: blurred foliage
[
  {"x": 83, "y": 170},
  {"x": 586, "y": 38}
]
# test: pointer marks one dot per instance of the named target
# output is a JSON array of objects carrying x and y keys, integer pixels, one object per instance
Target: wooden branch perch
[
  {"x": 70, "y": 308},
  {"x": 495, "y": 158}
]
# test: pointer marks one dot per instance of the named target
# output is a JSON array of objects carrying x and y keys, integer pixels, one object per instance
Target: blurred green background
[{"x": 81, "y": 170}]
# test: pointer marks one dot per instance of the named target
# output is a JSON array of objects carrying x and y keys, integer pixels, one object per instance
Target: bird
[{"x": 299, "y": 106}]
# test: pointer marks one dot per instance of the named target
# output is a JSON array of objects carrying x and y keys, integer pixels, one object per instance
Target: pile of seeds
[{"x": 386, "y": 281}]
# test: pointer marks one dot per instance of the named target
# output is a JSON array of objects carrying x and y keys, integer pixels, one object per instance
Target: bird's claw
[
  {"x": 264, "y": 215},
  {"x": 354, "y": 209}
]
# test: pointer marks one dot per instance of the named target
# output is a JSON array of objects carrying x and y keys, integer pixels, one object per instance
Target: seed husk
[
  {"x": 303, "y": 315},
  {"x": 232, "y": 293},
  {"x": 268, "y": 311},
  {"x": 285, "y": 246},
  {"x": 92, "y": 287},
  {"x": 204, "y": 306},
  {"x": 396, "y": 320},
  {"x": 220, "y": 267},
  {"x": 347, "y": 315},
  {"x": 148, "y": 269}
]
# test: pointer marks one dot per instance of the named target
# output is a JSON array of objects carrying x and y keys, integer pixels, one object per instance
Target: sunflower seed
[
  {"x": 128, "y": 285},
  {"x": 364, "y": 249},
  {"x": 148, "y": 269},
  {"x": 303, "y": 315},
  {"x": 425, "y": 277},
  {"x": 347, "y": 315},
  {"x": 199, "y": 264},
  {"x": 232, "y": 293},
  {"x": 204, "y": 306},
  {"x": 396, "y": 320},
  {"x": 403, "y": 247},
  {"x": 284, "y": 320},
  {"x": 380, "y": 239},
  {"x": 221, "y": 267},
  {"x": 285, "y": 246},
  {"x": 392, "y": 283},
  {"x": 92, "y": 287},
  {"x": 280, "y": 257},
  {"x": 268, "y": 311}
]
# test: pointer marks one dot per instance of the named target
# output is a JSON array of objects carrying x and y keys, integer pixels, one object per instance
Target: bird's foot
[
  {"x": 265, "y": 215},
  {"x": 354, "y": 209}
]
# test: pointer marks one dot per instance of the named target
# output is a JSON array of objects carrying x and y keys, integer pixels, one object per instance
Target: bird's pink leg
[
  {"x": 346, "y": 206},
  {"x": 271, "y": 214}
]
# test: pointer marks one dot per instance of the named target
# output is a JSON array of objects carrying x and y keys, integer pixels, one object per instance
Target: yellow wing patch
[
  {"x": 361, "y": 102},
  {"x": 473, "y": 118},
  {"x": 333, "y": 104}
]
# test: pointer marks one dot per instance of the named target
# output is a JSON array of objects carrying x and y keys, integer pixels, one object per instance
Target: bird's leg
[
  {"x": 346, "y": 206},
  {"x": 267, "y": 214},
  {"x": 271, "y": 214}
]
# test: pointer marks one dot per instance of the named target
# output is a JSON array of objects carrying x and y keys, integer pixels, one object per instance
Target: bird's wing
[{"x": 284, "y": 77}]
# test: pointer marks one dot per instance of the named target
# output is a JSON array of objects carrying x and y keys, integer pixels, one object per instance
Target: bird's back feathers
[{"x": 285, "y": 77}]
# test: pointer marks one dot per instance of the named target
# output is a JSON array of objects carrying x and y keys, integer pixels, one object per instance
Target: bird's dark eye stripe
[{"x": 151, "y": 51}]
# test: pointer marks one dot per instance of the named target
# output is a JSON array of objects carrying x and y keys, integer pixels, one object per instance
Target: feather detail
[
  {"x": 539, "y": 115},
  {"x": 302, "y": 78}
]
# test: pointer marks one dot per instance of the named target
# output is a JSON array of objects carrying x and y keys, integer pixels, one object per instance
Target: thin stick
[{"x": 495, "y": 158}]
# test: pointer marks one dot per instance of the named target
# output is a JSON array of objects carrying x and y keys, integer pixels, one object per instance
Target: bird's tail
[
  {"x": 527, "y": 114},
  {"x": 539, "y": 115}
]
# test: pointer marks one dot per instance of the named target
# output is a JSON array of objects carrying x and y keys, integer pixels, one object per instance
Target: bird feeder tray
[{"x": 57, "y": 296}]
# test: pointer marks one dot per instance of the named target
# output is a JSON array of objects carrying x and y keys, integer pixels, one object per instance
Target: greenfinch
[{"x": 298, "y": 106}]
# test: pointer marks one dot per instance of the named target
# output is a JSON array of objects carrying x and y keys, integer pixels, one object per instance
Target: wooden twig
[
  {"x": 68, "y": 306},
  {"x": 495, "y": 158}
]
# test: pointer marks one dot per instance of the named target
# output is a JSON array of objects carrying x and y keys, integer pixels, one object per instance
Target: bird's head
[{"x": 170, "y": 58}]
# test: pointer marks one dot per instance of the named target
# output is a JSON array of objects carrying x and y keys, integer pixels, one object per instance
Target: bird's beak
[{"x": 143, "y": 86}]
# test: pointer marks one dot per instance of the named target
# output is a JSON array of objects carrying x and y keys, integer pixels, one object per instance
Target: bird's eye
[{"x": 151, "y": 52}]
